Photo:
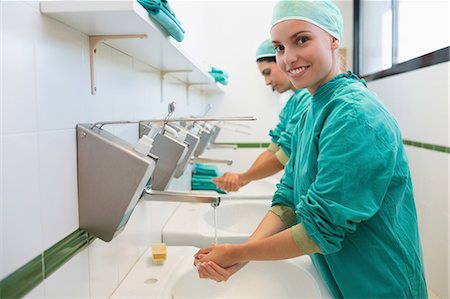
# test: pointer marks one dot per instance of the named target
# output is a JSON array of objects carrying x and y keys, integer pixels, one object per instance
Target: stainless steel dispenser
[
  {"x": 192, "y": 141},
  {"x": 111, "y": 179},
  {"x": 205, "y": 135},
  {"x": 169, "y": 152}
]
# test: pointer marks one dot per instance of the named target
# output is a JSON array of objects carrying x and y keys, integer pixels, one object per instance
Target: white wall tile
[
  {"x": 121, "y": 74},
  {"x": 147, "y": 91},
  {"x": 61, "y": 75},
  {"x": 2, "y": 204},
  {"x": 58, "y": 184},
  {"x": 103, "y": 268},
  {"x": 18, "y": 94},
  {"x": 133, "y": 240},
  {"x": 36, "y": 293},
  {"x": 429, "y": 171},
  {"x": 71, "y": 280},
  {"x": 22, "y": 220},
  {"x": 422, "y": 112},
  {"x": 430, "y": 174},
  {"x": 433, "y": 229}
]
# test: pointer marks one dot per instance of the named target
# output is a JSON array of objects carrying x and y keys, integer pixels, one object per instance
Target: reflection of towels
[
  {"x": 205, "y": 169},
  {"x": 202, "y": 176},
  {"x": 205, "y": 184},
  {"x": 219, "y": 75},
  {"x": 161, "y": 12}
]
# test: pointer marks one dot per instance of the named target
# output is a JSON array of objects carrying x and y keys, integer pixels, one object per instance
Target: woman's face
[
  {"x": 274, "y": 77},
  {"x": 305, "y": 52}
]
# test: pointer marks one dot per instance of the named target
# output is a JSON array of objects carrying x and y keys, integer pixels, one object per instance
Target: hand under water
[
  {"x": 230, "y": 182},
  {"x": 208, "y": 268}
]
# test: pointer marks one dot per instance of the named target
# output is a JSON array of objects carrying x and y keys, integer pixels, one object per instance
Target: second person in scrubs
[{"x": 275, "y": 157}]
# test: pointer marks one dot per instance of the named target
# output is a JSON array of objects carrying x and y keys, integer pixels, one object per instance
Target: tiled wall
[
  {"x": 45, "y": 92},
  {"x": 420, "y": 102}
]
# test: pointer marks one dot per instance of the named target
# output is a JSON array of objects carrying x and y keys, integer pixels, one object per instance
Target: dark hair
[{"x": 268, "y": 59}]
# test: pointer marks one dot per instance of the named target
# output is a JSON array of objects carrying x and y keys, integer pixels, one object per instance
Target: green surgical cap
[
  {"x": 265, "y": 49},
  {"x": 322, "y": 13}
]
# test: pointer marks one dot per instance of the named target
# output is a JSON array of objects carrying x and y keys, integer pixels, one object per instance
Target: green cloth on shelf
[
  {"x": 160, "y": 11},
  {"x": 219, "y": 75},
  {"x": 206, "y": 169},
  {"x": 202, "y": 175}
]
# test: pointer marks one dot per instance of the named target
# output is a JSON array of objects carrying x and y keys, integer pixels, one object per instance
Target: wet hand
[
  {"x": 229, "y": 182},
  {"x": 222, "y": 255},
  {"x": 210, "y": 270}
]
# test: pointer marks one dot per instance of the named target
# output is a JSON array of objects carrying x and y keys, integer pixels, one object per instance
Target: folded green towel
[
  {"x": 206, "y": 186},
  {"x": 205, "y": 169},
  {"x": 202, "y": 176},
  {"x": 160, "y": 11},
  {"x": 219, "y": 75}
]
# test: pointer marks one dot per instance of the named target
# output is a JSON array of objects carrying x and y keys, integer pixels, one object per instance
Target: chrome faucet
[
  {"x": 210, "y": 160},
  {"x": 154, "y": 195}
]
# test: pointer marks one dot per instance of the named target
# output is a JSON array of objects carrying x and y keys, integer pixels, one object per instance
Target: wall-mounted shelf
[{"x": 128, "y": 17}]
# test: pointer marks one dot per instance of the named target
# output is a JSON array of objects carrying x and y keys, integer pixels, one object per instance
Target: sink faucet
[
  {"x": 154, "y": 195},
  {"x": 209, "y": 160}
]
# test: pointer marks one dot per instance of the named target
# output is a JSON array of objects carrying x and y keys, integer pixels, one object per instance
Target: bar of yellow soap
[{"x": 159, "y": 253}]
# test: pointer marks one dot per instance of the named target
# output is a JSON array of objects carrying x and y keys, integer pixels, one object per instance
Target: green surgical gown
[
  {"x": 288, "y": 119},
  {"x": 349, "y": 184}
]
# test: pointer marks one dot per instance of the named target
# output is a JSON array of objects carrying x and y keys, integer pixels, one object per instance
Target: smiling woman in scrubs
[
  {"x": 346, "y": 198},
  {"x": 277, "y": 154}
]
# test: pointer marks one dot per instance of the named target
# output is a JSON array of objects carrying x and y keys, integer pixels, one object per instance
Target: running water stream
[{"x": 215, "y": 225}]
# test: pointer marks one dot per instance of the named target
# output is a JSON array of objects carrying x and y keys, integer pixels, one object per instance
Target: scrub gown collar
[{"x": 327, "y": 89}]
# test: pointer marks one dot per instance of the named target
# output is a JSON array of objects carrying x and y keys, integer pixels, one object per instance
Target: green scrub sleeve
[
  {"x": 355, "y": 167},
  {"x": 273, "y": 147},
  {"x": 302, "y": 240},
  {"x": 284, "y": 194},
  {"x": 284, "y": 117},
  {"x": 281, "y": 156},
  {"x": 285, "y": 213},
  {"x": 303, "y": 102}
]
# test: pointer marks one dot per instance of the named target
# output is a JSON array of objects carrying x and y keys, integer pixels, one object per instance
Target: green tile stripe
[
  {"x": 246, "y": 144},
  {"x": 428, "y": 146},
  {"x": 64, "y": 250},
  {"x": 30, "y": 275},
  {"x": 23, "y": 280},
  {"x": 434, "y": 147}
]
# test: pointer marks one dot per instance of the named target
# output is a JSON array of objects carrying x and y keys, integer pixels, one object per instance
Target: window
[
  {"x": 423, "y": 27},
  {"x": 391, "y": 32}
]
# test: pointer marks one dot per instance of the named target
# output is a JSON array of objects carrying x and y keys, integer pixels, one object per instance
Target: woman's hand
[
  {"x": 229, "y": 182},
  {"x": 213, "y": 271},
  {"x": 223, "y": 255}
]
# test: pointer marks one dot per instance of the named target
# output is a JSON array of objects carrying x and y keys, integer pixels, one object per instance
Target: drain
[{"x": 151, "y": 280}]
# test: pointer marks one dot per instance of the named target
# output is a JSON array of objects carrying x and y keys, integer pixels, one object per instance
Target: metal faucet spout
[
  {"x": 153, "y": 195},
  {"x": 208, "y": 160}
]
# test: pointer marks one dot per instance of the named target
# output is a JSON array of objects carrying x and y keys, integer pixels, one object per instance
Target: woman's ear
[{"x": 334, "y": 43}]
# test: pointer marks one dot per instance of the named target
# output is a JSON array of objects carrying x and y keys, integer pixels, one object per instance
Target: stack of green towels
[
  {"x": 202, "y": 175},
  {"x": 160, "y": 11},
  {"x": 219, "y": 75}
]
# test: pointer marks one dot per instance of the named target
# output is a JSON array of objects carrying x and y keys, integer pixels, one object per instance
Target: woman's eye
[
  {"x": 279, "y": 48},
  {"x": 302, "y": 40}
]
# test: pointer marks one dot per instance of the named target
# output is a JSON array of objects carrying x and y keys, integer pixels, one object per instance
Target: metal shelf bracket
[
  {"x": 93, "y": 41},
  {"x": 163, "y": 73}
]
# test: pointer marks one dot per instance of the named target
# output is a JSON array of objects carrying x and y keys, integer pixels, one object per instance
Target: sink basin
[
  {"x": 178, "y": 278},
  {"x": 193, "y": 224},
  {"x": 264, "y": 187}
]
